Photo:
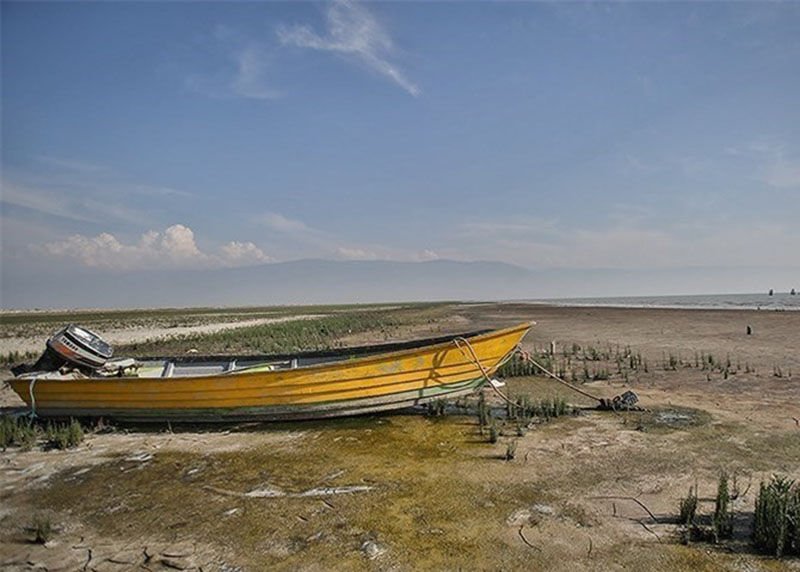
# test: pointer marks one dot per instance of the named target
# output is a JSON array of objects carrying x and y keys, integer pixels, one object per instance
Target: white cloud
[
  {"x": 244, "y": 253},
  {"x": 355, "y": 253},
  {"x": 428, "y": 254},
  {"x": 175, "y": 247},
  {"x": 280, "y": 223},
  {"x": 352, "y": 31}
]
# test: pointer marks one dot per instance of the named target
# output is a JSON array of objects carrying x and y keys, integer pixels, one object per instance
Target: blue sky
[{"x": 196, "y": 135}]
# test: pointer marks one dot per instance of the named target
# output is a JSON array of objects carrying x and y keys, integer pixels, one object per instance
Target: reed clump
[
  {"x": 18, "y": 432},
  {"x": 776, "y": 526},
  {"x": 64, "y": 435},
  {"x": 42, "y": 529},
  {"x": 776, "y": 519},
  {"x": 722, "y": 520},
  {"x": 494, "y": 433},
  {"x": 511, "y": 450},
  {"x": 713, "y": 528},
  {"x": 687, "y": 510},
  {"x": 437, "y": 408},
  {"x": 523, "y": 409}
]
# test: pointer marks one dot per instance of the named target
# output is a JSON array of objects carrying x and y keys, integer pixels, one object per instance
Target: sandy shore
[{"x": 421, "y": 493}]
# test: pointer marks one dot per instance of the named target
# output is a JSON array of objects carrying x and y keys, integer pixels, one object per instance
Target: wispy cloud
[
  {"x": 81, "y": 208},
  {"x": 174, "y": 247},
  {"x": 352, "y": 32},
  {"x": 248, "y": 81},
  {"x": 629, "y": 243},
  {"x": 323, "y": 243},
  {"x": 243, "y": 71},
  {"x": 784, "y": 174},
  {"x": 86, "y": 192},
  {"x": 280, "y": 223},
  {"x": 777, "y": 163}
]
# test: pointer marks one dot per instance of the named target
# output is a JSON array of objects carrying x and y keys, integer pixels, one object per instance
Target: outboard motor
[{"x": 73, "y": 346}]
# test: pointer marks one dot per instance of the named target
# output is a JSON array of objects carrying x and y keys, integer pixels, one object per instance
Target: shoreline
[{"x": 655, "y": 306}]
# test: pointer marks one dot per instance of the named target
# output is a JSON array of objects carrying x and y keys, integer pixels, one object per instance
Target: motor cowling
[{"x": 73, "y": 346}]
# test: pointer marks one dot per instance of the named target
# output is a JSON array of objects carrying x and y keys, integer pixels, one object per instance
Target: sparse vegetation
[
  {"x": 16, "y": 357},
  {"x": 291, "y": 336}
]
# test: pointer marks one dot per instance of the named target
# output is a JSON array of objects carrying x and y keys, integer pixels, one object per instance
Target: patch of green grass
[{"x": 286, "y": 337}]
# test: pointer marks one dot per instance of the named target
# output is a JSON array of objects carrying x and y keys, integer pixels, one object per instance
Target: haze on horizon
[{"x": 657, "y": 141}]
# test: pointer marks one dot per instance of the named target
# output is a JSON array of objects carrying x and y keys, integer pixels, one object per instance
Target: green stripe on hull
[{"x": 279, "y": 412}]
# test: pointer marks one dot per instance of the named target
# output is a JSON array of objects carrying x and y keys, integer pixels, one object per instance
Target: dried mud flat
[{"x": 405, "y": 491}]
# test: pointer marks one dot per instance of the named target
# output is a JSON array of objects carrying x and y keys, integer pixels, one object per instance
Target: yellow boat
[{"x": 303, "y": 386}]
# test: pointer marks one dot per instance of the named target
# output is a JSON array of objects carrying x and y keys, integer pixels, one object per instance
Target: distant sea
[{"x": 778, "y": 301}]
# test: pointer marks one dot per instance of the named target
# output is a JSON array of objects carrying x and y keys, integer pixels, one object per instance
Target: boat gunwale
[
  {"x": 404, "y": 349},
  {"x": 447, "y": 341}
]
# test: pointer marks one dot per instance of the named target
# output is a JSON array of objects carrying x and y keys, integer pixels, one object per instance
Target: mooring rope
[
  {"x": 526, "y": 356},
  {"x": 33, "y": 399},
  {"x": 474, "y": 357}
]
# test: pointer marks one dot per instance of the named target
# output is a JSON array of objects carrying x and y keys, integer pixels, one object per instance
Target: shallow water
[{"x": 778, "y": 301}]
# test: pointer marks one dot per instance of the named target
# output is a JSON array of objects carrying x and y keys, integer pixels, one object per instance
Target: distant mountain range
[
  {"x": 335, "y": 281},
  {"x": 296, "y": 282}
]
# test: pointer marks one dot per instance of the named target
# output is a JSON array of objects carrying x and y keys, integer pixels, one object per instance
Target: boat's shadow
[{"x": 352, "y": 422}]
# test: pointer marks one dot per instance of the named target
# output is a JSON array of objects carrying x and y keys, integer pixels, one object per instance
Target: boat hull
[{"x": 363, "y": 385}]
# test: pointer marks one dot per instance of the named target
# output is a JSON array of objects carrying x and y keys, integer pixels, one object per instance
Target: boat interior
[{"x": 192, "y": 364}]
